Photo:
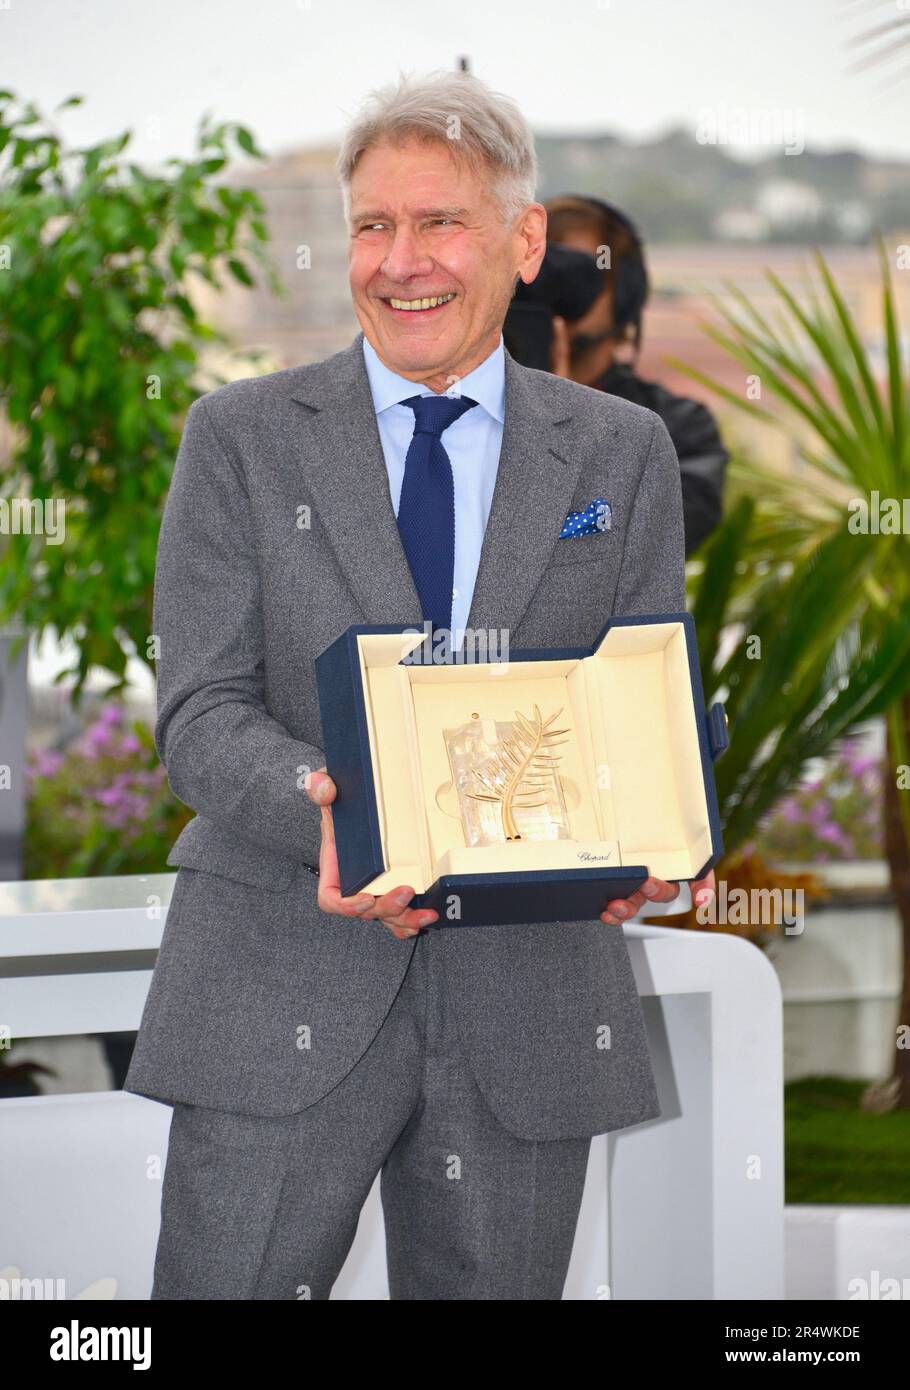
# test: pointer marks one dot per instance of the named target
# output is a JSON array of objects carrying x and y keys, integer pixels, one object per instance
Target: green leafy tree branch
[{"x": 100, "y": 354}]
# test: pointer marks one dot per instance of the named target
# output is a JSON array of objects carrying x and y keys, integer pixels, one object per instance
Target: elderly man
[{"x": 307, "y": 1041}]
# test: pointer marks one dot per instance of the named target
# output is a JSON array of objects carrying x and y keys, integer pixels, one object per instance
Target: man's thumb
[{"x": 320, "y": 787}]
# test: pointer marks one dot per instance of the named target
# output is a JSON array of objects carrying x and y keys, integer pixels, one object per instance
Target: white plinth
[{"x": 688, "y": 1206}]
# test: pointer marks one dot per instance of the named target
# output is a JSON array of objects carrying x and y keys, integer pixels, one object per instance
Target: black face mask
[{"x": 583, "y": 342}]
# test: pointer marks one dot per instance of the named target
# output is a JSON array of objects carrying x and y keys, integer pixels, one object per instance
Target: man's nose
[{"x": 405, "y": 256}]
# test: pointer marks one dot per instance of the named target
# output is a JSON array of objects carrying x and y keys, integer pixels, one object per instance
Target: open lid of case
[{"x": 635, "y": 767}]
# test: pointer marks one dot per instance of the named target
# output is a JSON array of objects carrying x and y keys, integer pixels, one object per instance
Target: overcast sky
[{"x": 294, "y": 70}]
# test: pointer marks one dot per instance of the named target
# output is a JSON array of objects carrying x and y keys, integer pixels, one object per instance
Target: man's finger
[
  {"x": 392, "y": 908},
  {"x": 331, "y": 900},
  {"x": 329, "y": 878},
  {"x": 319, "y": 787},
  {"x": 409, "y": 924},
  {"x": 329, "y": 895},
  {"x": 660, "y": 891},
  {"x": 706, "y": 885}
]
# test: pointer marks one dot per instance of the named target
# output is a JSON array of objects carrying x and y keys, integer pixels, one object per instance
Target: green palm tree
[
  {"x": 811, "y": 570},
  {"x": 794, "y": 661}
]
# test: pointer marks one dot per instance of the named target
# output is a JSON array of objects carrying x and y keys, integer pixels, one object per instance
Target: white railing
[{"x": 688, "y": 1206}]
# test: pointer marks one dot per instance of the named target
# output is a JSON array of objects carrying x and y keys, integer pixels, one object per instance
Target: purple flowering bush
[
  {"x": 837, "y": 816},
  {"x": 103, "y": 806}
]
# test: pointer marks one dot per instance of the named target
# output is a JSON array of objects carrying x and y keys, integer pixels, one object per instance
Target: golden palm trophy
[{"x": 506, "y": 774}]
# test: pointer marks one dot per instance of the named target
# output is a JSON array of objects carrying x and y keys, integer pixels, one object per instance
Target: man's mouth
[{"x": 430, "y": 304}]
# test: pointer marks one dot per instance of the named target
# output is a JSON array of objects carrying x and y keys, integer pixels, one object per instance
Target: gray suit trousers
[{"x": 266, "y": 1207}]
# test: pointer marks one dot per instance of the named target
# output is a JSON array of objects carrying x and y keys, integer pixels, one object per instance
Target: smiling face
[{"x": 426, "y": 228}]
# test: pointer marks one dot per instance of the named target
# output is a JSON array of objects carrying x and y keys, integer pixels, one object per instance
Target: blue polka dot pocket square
[{"x": 596, "y": 516}]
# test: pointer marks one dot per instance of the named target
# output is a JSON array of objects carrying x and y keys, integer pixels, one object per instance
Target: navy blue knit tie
[{"x": 426, "y": 510}]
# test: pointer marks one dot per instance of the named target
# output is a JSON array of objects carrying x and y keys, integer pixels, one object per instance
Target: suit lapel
[
  {"x": 539, "y": 464},
  {"x": 350, "y": 487}
]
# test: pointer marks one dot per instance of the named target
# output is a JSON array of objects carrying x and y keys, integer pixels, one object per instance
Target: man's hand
[
  {"x": 389, "y": 908},
  {"x": 654, "y": 890},
  {"x": 392, "y": 909}
]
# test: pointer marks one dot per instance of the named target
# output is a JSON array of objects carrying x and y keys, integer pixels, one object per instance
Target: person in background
[{"x": 593, "y": 350}]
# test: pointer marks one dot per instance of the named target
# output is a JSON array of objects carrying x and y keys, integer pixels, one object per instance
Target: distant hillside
[{"x": 680, "y": 190}]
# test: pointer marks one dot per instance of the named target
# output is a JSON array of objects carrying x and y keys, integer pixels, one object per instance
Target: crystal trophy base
[{"x": 506, "y": 776}]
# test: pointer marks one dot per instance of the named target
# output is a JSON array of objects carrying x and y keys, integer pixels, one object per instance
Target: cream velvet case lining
[{"x": 626, "y": 789}]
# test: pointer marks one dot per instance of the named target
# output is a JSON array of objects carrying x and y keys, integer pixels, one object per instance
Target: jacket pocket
[
  {"x": 204, "y": 845},
  {"x": 574, "y": 550}
]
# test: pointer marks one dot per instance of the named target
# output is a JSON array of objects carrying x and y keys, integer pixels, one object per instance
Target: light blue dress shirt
[{"x": 472, "y": 443}]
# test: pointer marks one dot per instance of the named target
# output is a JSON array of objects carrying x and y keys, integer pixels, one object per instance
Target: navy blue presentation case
[{"x": 541, "y": 894}]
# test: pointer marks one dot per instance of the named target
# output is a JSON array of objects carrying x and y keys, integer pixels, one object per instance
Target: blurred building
[{"x": 309, "y": 245}]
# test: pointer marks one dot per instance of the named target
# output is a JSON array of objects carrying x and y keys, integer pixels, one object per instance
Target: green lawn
[{"x": 836, "y": 1152}]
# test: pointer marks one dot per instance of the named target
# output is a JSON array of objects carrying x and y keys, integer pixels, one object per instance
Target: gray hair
[{"x": 484, "y": 128}]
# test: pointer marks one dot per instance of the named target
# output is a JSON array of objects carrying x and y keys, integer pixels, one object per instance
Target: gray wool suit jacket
[{"x": 277, "y": 534}]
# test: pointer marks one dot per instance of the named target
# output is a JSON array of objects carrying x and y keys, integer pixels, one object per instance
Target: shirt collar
[{"x": 486, "y": 384}]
